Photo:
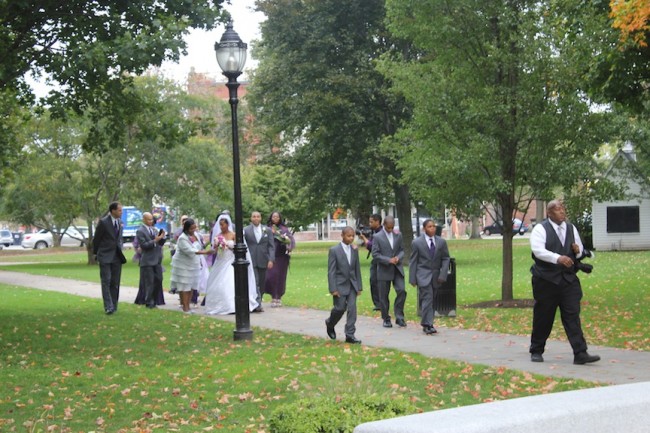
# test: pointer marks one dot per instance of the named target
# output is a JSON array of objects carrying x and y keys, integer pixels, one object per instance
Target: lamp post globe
[{"x": 231, "y": 56}]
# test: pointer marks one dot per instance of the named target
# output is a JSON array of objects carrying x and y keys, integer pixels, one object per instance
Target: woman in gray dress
[{"x": 186, "y": 264}]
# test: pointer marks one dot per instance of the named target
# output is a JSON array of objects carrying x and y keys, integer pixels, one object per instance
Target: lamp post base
[{"x": 242, "y": 335}]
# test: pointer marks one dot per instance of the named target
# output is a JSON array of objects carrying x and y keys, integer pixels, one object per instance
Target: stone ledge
[{"x": 620, "y": 408}]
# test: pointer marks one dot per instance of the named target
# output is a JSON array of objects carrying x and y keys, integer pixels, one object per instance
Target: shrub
[{"x": 340, "y": 414}]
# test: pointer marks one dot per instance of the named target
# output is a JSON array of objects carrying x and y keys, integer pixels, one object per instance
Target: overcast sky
[
  {"x": 200, "y": 44},
  {"x": 200, "y": 47}
]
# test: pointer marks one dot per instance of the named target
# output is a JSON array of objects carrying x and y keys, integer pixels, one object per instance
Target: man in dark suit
[
  {"x": 344, "y": 283},
  {"x": 260, "y": 243},
  {"x": 556, "y": 245},
  {"x": 428, "y": 269},
  {"x": 388, "y": 251},
  {"x": 151, "y": 242},
  {"x": 107, "y": 247},
  {"x": 374, "y": 222}
]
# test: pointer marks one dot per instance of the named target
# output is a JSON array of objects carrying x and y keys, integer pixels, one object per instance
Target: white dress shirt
[
  {"x": 348, "y": 253},
  {"x": 538, "y": 243}
]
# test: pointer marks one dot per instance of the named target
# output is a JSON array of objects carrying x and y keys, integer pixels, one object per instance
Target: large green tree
[
  {"x": 86, "y": 50},
  {"x": 82, "y": 44},
  {"x": 317, "y": 89},
  {"x": 496, "y": 103}
]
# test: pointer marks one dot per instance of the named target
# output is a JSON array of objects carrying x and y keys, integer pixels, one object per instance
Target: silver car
[
  {"x": 6, "y": 238},
  {"x": 43, "y": 238}
]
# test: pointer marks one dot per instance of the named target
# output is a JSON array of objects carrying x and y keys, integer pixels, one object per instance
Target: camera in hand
[
  {"x": 363, "y": 230},
  {"x": 584, "y": 267}
]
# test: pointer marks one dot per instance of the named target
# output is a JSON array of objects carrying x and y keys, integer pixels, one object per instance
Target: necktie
[
  {"x": 390, "y": 239},
  {"x": 346, "y": 248},
  {"x": 432, "y": 247},
  {"x": 258, "y": 234},
  {"x": 116, "y": 227},
  {"x": 152, "y": 231},
  {"x": 560, "y": 234}
]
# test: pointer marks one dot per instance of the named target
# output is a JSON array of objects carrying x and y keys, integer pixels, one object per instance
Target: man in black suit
[
  {"x": 260, "y": 243},
  {"x": 107, "y": 247},
  {"x": 388, "y": 251},
  {"x": 374, "y": 222},
  {"x": 151, "y": 242}
]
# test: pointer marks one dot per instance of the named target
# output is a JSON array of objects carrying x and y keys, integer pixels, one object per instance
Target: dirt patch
[{"x": 514, "y": 303}]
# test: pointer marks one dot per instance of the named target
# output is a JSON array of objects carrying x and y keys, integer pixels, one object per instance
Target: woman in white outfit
[
  {"x": 220, "y": 293},
  {"x": 186, "y": 264}
]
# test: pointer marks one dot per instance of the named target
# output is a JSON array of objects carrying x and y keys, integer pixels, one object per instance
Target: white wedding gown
[{"x": 220, "y": 293}]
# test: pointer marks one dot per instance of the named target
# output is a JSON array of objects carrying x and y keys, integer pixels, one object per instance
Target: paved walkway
[{"x": 617, "y": 366}]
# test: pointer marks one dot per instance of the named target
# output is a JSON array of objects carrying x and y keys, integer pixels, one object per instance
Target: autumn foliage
[{"x": 632, "y": 18}]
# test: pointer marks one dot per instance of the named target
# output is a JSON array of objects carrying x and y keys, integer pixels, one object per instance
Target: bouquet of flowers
[
  {"x": 220, "y": 244},
  {"x": 282, "y": 237}
]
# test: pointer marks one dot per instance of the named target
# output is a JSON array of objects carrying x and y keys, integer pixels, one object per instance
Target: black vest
[{"x": 555, "y": 272}]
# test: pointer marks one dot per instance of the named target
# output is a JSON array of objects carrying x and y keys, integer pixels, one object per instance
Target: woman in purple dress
[{"x": 276, "y": 277}]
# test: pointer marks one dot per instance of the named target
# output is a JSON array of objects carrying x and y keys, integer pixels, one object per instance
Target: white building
[{"x": 623, "y": 224}]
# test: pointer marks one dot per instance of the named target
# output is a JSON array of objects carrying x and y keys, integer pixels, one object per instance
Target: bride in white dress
[{"x": 220, "y": 292}]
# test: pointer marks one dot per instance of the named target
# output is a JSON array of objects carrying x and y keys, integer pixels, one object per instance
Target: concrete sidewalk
[{"x": 617, "y": 366}]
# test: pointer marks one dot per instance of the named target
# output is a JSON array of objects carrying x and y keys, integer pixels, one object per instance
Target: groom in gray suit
[
  {"x": 388, "y": 251},
  {"x": 344, "y": 282},
  {"x": 428, "y": 269},
  {"x": 259, "y": 239},
  {"x": 151, "y": 242}
]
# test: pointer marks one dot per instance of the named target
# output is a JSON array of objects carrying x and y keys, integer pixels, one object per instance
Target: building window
[{"x": 623, "y": 219}]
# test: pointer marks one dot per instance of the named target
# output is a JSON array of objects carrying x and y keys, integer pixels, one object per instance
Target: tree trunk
[
  {"x": 507, "y": 209},
  {"x": 89, "y": 243},
  {"x": 476, "y": 228},
  {"x": 403, "y": 207}
]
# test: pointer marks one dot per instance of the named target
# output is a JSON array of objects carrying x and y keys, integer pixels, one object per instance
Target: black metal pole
[{"x": 243, "y": 329}]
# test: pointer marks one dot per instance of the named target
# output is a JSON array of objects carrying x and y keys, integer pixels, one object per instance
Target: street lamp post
[{"x": 231, "y": 56}]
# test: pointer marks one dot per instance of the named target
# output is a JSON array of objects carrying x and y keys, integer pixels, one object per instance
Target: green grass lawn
[
  {"x": 66, "y": 368},
  {"x": 616, "y": 303}
]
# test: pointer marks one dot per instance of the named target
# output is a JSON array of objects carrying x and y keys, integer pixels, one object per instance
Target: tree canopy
[{"x": 498, "y": 115}]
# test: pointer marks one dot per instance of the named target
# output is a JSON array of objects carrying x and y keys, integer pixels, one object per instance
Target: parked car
[
  {"x": 496, "y": 228},
  {"x": 43, "y": 238},
  {"x": 6, "y": 238}
]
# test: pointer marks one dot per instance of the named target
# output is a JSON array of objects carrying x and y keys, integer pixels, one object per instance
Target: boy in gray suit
[
  {"x": 344, "y": 281},
  {"x": 428, "y": 269}
]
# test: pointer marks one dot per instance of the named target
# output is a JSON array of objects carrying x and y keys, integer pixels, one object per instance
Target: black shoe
[
  {"x": 376, "y": 309},
  {"x": 331, "y": 333},
  {"x": 109, "y": 311},
  {"x": 401, "y": 323},
  {"x": 429, "y": 330},
  {"x": 258, "y": 310},
  {"x": 387, "y": 323},
  {"x": 585, "y": 358},
  {"x": 352, "y": 340},
  {"x": 536, "y": 357},
  {"x": 151, "y": 306}
]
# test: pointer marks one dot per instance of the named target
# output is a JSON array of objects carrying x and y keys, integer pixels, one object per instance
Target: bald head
[
  {"x": 389, "y": 223},
  {"x": 147, "y": 218}
]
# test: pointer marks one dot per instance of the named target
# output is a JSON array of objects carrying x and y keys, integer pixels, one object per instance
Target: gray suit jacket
[
  {"x": 422, "y": 268},
  {"x": 263, "y": 252},
  {"x": 341, "y": 274},
  {"x": 382, "y": 253},
  {"x": 106, "y": 243},
  {"x": 152, "y": 253}
]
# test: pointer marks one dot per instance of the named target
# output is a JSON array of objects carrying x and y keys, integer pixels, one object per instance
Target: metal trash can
[
  {"x": 445, "y": 302},
  {"x": 18, "y": 238}
]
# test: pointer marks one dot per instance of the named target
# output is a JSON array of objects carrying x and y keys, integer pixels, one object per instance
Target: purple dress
[{"x": 276, "y": 277}]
